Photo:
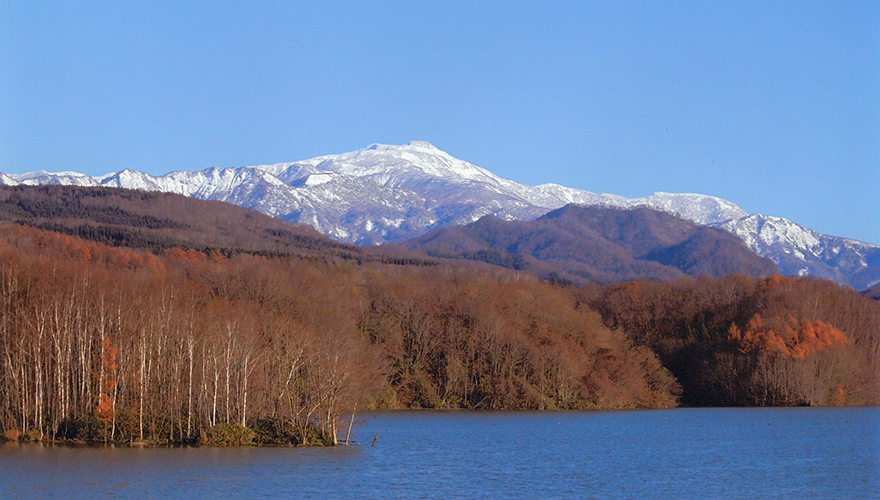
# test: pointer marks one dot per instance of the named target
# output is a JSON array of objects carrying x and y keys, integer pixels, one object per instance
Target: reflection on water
[{"x": 685, "y": 453}]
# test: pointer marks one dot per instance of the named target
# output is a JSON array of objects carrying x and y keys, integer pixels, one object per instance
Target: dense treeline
[
  {"x": 117, "y": 236},
  {"x": 461, "y": 339},
  {"x": 741, "y": 341},
  {"x": 19, "y": 202},
  {"x": 103, "y": 343},
  {"x": 191, "y": 345}
]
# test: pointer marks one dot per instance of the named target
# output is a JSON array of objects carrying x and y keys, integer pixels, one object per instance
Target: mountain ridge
[
  {"x": 386, "y": 193},
  {"x": 598, "y": 245}
]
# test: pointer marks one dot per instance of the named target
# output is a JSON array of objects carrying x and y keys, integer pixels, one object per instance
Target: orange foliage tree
[
  {"x": 788, "y": 338},
  {"x": 740, "y": 341},
  {"x": 106, "y": 408}
]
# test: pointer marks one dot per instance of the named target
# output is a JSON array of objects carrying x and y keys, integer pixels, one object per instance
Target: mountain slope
[
  {"x": 799, "y": 251},
  {"x": 872, "y": 293},
  {"x": 385, "y": 193},
  {"x": 598, "y": 244},
  {"x": 159, "y": 221}
]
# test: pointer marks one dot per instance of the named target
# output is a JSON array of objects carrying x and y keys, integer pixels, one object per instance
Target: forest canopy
[
  {"x": 222, "y": 345},
  {"x": 104, "y": 343}
]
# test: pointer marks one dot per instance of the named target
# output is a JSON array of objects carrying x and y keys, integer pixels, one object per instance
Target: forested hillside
[
  {"x": 158, "y": 221},
  {"x": 598, "y": 245},
  {"x": 121, "y": 345},
  {"x": 212, "y": 326},
  {"x": 740, "y": 341}
]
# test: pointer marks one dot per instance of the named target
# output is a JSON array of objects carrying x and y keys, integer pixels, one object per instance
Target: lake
[{"x": 683, "y": 453}]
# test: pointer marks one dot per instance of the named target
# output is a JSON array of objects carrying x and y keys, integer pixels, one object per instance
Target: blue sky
[{"x": 772, "y": 105}]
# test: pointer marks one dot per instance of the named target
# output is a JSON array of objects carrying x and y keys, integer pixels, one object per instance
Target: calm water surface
[{"x": 684, "y": 453}]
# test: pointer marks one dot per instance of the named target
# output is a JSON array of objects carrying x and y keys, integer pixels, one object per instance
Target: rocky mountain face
[
  {"x": 799, "y": 251},
  {"x": 386, "y": 193}
]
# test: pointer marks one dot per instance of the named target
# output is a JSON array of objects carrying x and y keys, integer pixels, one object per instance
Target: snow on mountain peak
[
  {"x": 384, "y": 193},
  {"x": 699, "y": 208},
  {"x": 6, "y": 180},
  {"x": 418, "y": 165},
  {"x": 43, "y": 177}
]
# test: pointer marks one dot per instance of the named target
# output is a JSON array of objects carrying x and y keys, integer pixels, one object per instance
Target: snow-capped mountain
[
  {"x": 799, "y": 251},
  {"x": 385, "y": 193}
]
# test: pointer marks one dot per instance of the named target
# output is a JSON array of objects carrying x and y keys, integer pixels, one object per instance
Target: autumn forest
[{"x": 194, "y": 344}]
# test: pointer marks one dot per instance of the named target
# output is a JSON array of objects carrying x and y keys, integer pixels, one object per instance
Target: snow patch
[{"x": 318, "y": 179}]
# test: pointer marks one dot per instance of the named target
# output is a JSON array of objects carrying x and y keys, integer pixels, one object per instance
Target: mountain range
[
  {"x": 576, "y": 244},
  {"x": 390, "y": 193}
]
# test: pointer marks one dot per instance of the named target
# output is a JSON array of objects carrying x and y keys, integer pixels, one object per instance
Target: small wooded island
[{"x": 121, "y": 327}]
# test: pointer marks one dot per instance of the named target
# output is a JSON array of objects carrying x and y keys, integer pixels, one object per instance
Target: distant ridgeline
[
  {"x": 161, "y": 221},
  {"x": 142, "y": 317},
  {"x": 599, "y": 245},
  {"x": 395, "y": 193}
]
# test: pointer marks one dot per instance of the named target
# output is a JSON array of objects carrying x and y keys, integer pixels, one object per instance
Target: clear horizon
[{"x": 774, "y": 108}]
